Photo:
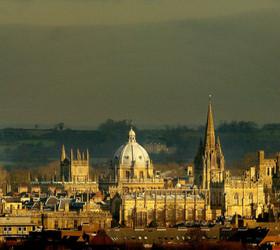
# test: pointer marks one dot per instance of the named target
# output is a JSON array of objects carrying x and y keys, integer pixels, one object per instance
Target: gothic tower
[
  {"x": 75, "y": 169},
  {"x": 209, "y": 162},
  {"x": 64, "y": 166}
]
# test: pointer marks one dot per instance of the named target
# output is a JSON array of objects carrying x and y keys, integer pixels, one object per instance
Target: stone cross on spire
[{"x": 209, "y": 141}]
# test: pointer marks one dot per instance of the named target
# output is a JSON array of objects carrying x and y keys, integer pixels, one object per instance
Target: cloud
[
  {"x": 55, "y": 65},
  {"x": 112, "y": 12}
]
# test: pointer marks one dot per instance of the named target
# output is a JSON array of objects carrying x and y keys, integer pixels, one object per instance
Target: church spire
[
  {"x": 87, "y": 154},
  {"x": 209, "y": 143},
  {"x": 79, "y": 156},
  {"x": 63, "y": 153},
  {"x": 218, "y": 146}
]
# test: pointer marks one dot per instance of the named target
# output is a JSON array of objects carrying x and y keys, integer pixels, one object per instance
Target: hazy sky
[{"x": 152, "y": 61}]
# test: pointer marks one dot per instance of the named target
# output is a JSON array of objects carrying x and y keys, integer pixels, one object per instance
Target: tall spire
[
  {"x": 209, "y": 141},
  {"x": 79, "y": 156},
  {"x": 63, "y": 153},
  {"x": 218, "y": 146},
  {"x": 71, "y": 155},
  {"x": 87, "y": 155}
]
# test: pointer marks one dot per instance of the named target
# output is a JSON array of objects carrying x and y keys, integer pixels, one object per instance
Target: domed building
[
  {"x": 132, "y": 162},
  {"x": 132, "y": 169}
]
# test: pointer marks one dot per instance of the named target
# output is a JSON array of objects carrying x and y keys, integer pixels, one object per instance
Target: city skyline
[{"x": 139, "y": 124}]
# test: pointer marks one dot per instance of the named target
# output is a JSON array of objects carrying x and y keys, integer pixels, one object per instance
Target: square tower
[{"x": 75, "y": 169}]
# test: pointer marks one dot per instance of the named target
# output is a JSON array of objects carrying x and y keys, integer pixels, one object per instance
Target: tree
[{"x": 59, "y": 126}]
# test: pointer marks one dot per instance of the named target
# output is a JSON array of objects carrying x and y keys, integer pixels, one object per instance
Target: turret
[
  {"x": 198, "y": 164},
  {"x": 261, "y": 157},
  {"x": 79, "y": 157},
  {"x": 87, "y": 155},
  {"x": 209, "y": 143},
  {"x": 63, "y": 153},
  {"x": 71, "y": 155},
  {"x": 131, "y": 136},
  {"x": 219, "y": 147}
]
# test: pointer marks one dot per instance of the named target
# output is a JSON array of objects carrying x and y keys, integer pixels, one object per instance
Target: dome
[{"x": 132, "y": 153}]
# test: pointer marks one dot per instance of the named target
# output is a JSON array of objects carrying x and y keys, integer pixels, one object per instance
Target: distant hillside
[{"x": 36, "y": 147}]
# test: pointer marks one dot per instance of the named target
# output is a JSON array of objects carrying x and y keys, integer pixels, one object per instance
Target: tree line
[{"x": 30, "y": 147}]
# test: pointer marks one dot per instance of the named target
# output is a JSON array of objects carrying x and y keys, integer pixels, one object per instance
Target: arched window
[
  {"x": 217, "y": 199},
  {"x": 236, "y": 199},
  {"x": 200, "y": 214},
  {"x": 190, "y": 214},
  {"x": 213, "y": 198},
  {"x": 251, "y": 198}
]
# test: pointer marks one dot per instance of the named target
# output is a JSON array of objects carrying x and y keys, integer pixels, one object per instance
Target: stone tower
[
  {"x": 209, "y": 162},
  {"x": 75, "y": 169}
]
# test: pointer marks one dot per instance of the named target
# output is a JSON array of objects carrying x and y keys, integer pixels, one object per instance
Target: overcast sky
[{"x": 152, "y": 61}]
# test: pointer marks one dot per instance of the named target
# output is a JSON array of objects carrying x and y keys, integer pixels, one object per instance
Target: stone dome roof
[{"x": 132, "y": 153}]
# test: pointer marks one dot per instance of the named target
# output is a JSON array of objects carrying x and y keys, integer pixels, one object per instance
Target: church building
[
  {"x": 75, "y": 172},
  {"x": 227, "y": 194}
]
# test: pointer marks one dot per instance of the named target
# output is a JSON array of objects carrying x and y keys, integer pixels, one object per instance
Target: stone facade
[
  {"x": 15, "y": 226},
  {"x": 243, "y": 196},
  {"x": 267, "y": 168},
  {"x": 163, "y": 208},
  {"x": 74, "y": 172},
  {"x": 74, "y": 220},
  {"x": 75, "y": 169}
]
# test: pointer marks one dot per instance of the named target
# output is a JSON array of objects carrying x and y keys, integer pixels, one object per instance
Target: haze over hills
[{"x": 31, "y": 148}]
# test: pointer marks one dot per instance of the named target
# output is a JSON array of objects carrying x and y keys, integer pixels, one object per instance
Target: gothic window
[
  {"x": 236, "y": 199},
  {"x": 217, "y": 199},
  {"x": 213, "y": 198},
  {"x": 190, "y": 214},
  {"x": 141, "y": 175},
  {"x": 268, "y": 171},
  {"x": 127, "y": 173},
  {"x": 251, "y": 198}
]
